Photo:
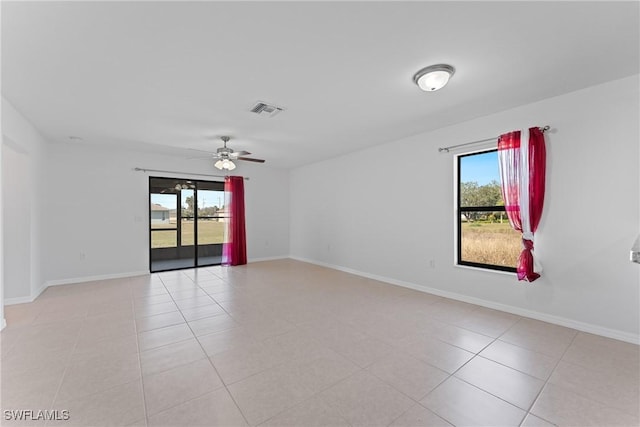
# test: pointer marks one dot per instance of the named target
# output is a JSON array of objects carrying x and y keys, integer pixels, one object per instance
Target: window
[{"x": 485, "y": 237}]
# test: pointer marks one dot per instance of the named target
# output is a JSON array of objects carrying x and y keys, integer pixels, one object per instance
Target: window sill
[{"x": 485, "y": 270}]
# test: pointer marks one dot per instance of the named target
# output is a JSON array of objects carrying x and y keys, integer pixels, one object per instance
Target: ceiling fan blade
[
  {"x": 237, "y": 154},
  {"x": 249, "y": 159}
]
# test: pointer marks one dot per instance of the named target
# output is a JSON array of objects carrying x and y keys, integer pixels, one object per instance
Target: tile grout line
[
  {"x": 68, "y": 364},
  {"x": 526, "y": 411},
  {"x": 453, "y": 375},
  {"x": 317, "y": 394},
  {"x": 211, "y": 362},
  {"x": 166, "y": 370},
  {"x": 417, "y": 402},
  {"x": 135, "y": 326},
  {"x": 66, "y": 368},
  {"x": 544, "y": 386},
  {"x": 207, "y": 357},
  {"x": 475, "y": 386}
]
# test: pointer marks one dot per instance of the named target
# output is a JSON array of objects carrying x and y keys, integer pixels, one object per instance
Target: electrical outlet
[{"x": 432, "y": 263}]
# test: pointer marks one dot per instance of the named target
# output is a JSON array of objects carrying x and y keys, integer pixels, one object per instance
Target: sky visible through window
[
  {"x": 166, "y": 200},
  {"x": 481, "y": 168}
]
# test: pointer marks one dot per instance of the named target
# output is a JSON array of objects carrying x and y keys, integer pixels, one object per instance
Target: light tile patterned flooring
[{"x": 284, "y": 343}]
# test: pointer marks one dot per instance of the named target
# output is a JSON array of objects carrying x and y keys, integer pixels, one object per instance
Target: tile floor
[{"x": 284, "y": 343}]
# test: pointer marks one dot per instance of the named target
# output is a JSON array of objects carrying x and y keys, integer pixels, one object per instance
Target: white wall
[
  {"x": 17, "y": 216},
  {"x": 3, "y": 321},
  {"x": 356, "y": 213},
  {"x": 97, "y": 205},
  {"x": 23, "y": 153}
]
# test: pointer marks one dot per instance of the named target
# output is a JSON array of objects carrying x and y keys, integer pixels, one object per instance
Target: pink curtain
[
  {"x": 234, "y": 248},
  {"x": 522, "y": 158}
]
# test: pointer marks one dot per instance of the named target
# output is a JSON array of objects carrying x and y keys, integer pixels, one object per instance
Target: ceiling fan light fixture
[
  {"x": 225, "y": 164},
  {"x": 434, "y": 77},
  {"x": 224, "y": 156}
]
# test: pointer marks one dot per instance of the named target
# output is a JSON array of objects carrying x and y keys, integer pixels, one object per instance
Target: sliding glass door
[
  {"x": 211, "y": 214},
  {"x": 186, "y": 223}
]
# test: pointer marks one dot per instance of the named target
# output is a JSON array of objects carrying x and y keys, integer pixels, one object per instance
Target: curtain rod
[
  {"x": 184, "y": 173},
  {"x": 441, "y": 149}
]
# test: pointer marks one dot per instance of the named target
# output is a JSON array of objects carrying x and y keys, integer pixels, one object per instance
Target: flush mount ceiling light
[{"x": 433, "y": 77}]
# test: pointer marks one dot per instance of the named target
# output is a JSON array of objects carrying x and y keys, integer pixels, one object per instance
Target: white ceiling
[{"x": 152, "y": 75}]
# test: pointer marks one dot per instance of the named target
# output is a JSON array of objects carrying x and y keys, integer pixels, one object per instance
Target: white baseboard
[
  {"x": 4, "y": 324},
  {"x": 269, "y": 258},
  {"x": 36, "y": 294},
  {"x": 40, "y": 290},
  {"x": 545, "y": 317},
  {"x": 95, "y": 278},
  {"x": 19, "y": 300},
  {"x": 26, "y": 299}
]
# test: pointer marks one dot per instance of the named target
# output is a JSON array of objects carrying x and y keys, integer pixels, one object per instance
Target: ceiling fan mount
[{"x": 224, "y": 151}]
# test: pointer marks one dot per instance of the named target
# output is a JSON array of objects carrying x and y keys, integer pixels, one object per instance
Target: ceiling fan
[{"x": 225, "y": 156}]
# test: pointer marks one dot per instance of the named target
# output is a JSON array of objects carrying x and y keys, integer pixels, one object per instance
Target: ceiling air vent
[{"x": 264, "y": 109}]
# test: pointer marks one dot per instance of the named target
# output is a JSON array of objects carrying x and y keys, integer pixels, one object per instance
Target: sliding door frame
[{"x": 196, "y": 185}]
